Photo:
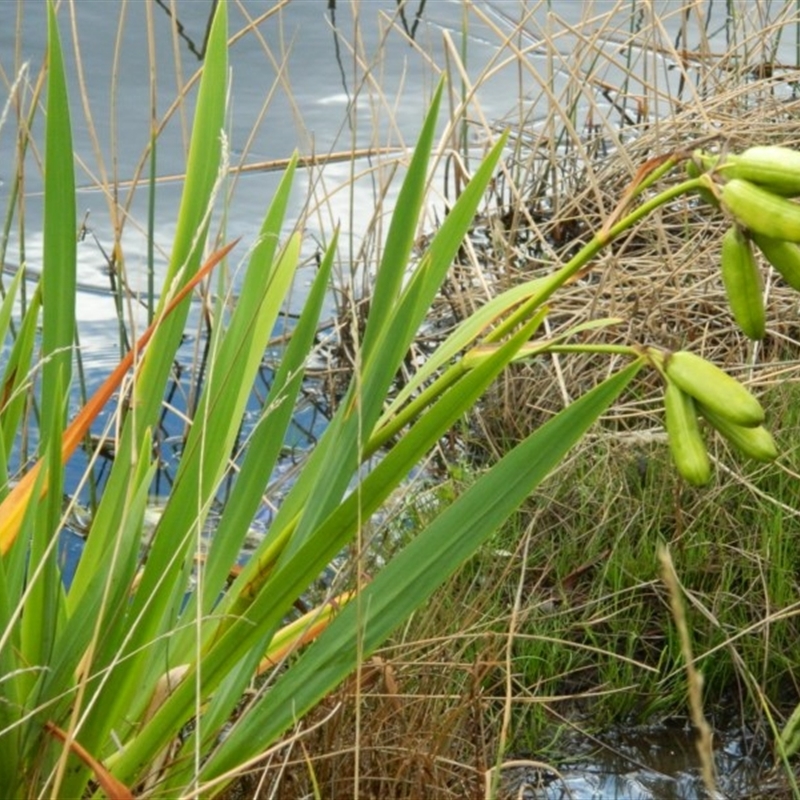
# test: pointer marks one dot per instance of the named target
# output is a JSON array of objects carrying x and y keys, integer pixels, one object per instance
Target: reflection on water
[
  {"x": 657, "y": 762},
  {"x": 198, "y": 50},
  {"x": 114, "y": 141},
  {"x": 296, "y": 85}
]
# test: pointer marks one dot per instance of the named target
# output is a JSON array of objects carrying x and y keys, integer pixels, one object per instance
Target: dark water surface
[{"x": 650, "y": 762}]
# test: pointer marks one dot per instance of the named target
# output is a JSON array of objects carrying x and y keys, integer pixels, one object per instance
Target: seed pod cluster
[
  {"x": 697, "y": 388},
  {"x": 758, "y": 188}
]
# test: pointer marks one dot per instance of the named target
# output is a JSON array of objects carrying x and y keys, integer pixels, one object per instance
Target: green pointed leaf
[
  {"x": 252, "y": 621},
  {"x": 413, "y": 575},
  {"x": 202, "y": 169},
  {"x": 60, "y": 242},
  {"x": 268, "y": 437}
]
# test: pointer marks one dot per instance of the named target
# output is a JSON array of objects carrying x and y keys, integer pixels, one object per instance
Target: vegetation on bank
[{"x": 172, "y": 671}]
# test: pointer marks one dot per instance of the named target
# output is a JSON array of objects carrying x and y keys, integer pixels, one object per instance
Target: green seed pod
[
  {"x": 774, "y": 168},
  {"x": 761, "y": 211},
  {"x": 784, "y": 256},
  {"x": 712, "y": 387},
  {"x": 685, "y": 440},
  {"x": 743, "y": 284},
  {"x": 756, "y": 443}
]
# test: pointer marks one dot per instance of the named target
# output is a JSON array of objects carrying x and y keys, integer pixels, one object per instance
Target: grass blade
[{"x": 60, "y": 243}]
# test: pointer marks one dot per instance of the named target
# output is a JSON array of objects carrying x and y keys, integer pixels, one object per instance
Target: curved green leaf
[{"x": 414, "y": 574}]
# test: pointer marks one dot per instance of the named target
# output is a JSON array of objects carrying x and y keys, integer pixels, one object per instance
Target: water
[
  {"x": 321, "y": 103},
  {"x": 653, "y": 762}
]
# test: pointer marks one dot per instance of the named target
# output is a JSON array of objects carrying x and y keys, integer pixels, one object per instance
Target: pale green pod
[
  {"x": 743, "y": 284},
  {"x": 756, "y": 443},
  {"x": 713, "y": 388},
  {"x": 685, "y": 440},
  {"x": 773, "y": 167},
  {"x": 761, "y": 211},
  {"x": 784, "y": 256}
]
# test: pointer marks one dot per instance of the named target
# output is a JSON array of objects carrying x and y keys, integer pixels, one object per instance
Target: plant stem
[
  {"x": 651, "y": 205},
  {"x": 536, "y": 302},
  {"x": 581, "y": 259},
  {"x": 610, "y": 349}
]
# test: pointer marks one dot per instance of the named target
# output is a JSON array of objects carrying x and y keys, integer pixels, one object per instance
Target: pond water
[
  {"x": 653, "y": 762},
  {"x": 298, "y": 83},
  {"x": 317, "y": 77},
  {"x": 321, "y": 103}
]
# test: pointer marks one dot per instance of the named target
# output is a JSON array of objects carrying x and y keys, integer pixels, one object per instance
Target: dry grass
[
  {"x": 662, "y": 280},
  {"x": 579, "y": 141},
  {"x": 420, "y": 721}
]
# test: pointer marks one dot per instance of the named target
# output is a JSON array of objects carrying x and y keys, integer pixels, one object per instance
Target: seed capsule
[
  {"x": 685, "y": 440},
  {"x": 756, "y": 443},
  {"x": 743, "y": 285},
  {"x": 784, "y": 256},
  {"x": 775, "y": 168},
  {"x": 761, "y": 211},
  {"x": 713, "y": 388}
]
